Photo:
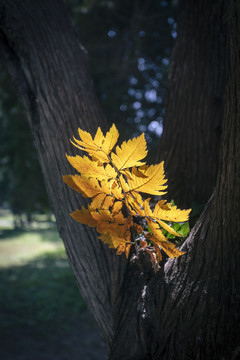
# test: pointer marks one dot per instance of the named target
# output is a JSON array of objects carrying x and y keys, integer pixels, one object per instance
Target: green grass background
[{"x": 37, "y": 289}]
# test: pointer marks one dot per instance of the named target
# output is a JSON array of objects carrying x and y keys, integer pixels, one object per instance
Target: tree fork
[{"x": 183, "y": 309}]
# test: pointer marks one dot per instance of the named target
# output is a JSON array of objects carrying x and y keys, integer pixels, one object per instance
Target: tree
[
  {"x": 193, "y": 120},
  {"x": 133, "y": 43},
  {"x": 189, "y": 309}
]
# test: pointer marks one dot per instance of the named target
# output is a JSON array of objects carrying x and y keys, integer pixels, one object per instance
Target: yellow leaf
[
  {"x": 130, "y": 153},
  {"x": 138, "y": 173},
  {"x": 88, "y": 187},
  {"x": 102, "y": 216},
  {"x": 107, "y": 222},
  {"x": 117, "y": 190},
  {"x": 108, "y": 202},
  {"x": 114, "y": 181},
  {"x": 100, "y": 146},
  {"x": 108, "y": 240},
  {"x": 113, "y": 241},
  {"x": 68, "y": 179},
  {"x": 90, "y": 168},
  {"x": 97, "y": 202},
  {"x": 107, "y": 186},
  {"x": 124, "y": 248},
  {"x": 164, "y": 205},
  {"x": 123, "y": 184},
  {"x": 117, "y": 236},
  {"x": 169, "y": 248},
  {"x": 152, "y": 182},
  {"x": 84, "y": 216},
  {"x": 86, "y": 140},
  {"x": 110, "y": 139},
  {"x": 119, "y": 218},
  {"x": 157, "y": 232},
  {"x": 167, "y": 227},
  {"x": 102, "y": 202},
  {"x": 96, "y": 154},
  {"x": 173, "y": 214},
  {"x": 134, "y": 203},
  {"x": 117, "y": 206},
  {"x": 120, "y": 244},
  {"x": 154, "y": 221},
  {"x": 127, "y": 173},
  {"x": 98, "y": 138},
  {"x": 147, "y": 208}
]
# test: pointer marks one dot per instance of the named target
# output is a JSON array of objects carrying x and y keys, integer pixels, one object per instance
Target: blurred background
[{"x": 41, "y": 310}]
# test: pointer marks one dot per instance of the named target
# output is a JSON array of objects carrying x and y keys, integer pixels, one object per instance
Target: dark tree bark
[
  {"x": 193, "y": 122},
  {"x": 190, "y": 308},
  {"x": 49, "y": 69}
]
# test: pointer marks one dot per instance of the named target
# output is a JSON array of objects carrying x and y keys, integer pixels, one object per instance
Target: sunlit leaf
[
  {"x": 156, "y": 230},
  {"x": 153, "y": 182},
  {"x": 134, "y": 203},
  {"x": 173, "y": 214},
  {"x": 84, "y": 216},
  {"x": 100, "y": 146},
  {"x": 88, "y": 187},
  {"x": 169, "y": 248},
  {"x": 129, "y": 153},
  {"x": 168, "y": 213},
  {"x": 90, "y": 168},
  {"x": 110, "y": 140},
  {"x": 102, "y": 201},
  {"x": 115, "y": 183},
  {"x": 117, "y": 207}
]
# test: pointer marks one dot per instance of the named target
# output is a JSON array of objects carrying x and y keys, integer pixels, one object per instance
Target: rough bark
[
  {"x": 204, "y": 288},
  {"x": 189, "y": 310},
  {"x": 49, "y": 68},
  {"x": 193, "y": 122}
]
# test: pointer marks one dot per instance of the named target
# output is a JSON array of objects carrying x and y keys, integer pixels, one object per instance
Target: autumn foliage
[{"x": 117, "y": 182}]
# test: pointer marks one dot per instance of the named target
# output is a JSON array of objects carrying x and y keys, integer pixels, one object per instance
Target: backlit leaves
[
  {"x": 116, "y": 182},
  {"x": 91, "y": 168},
  {"x": 147, "y": 179},
  {"x": 130, "y": 153},
  {"x": 100, "y": 146}
]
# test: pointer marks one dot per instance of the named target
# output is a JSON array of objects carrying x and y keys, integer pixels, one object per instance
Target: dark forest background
[{"x": 129, "y": 45}]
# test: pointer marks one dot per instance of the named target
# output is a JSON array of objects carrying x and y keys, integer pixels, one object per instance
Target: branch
[{"x": 13, "y": 65}]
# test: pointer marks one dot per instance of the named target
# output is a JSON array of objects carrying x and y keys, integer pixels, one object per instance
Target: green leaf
[
  {"x": 184, "y": 229},
  {"x": 164, "y": 232},
  {"x": 170, "y": 236},
  {"x": 149, "y": 229},
  {"x": 176, "y": 226}
]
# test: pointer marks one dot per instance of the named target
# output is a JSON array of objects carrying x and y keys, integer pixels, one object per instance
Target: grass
[
  {"x": 20, "y": 246},
  {"x": 41, "y": 295},
  {"x": 37, "y": 287}
]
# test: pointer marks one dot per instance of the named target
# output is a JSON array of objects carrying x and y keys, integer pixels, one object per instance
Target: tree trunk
[
  {"x": 189, "y": 309},
  {"x": 204, "y": 287},
  {"x": 193, "y": 123},
  {"x": 49, "y": 69}
]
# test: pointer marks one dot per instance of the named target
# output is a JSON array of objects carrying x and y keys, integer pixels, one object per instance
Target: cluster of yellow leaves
[{"x": 114, "y": 181}]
